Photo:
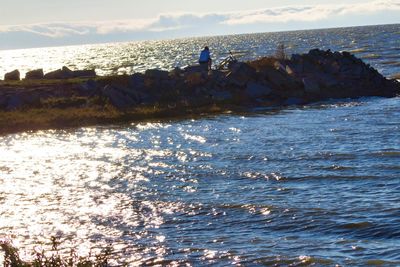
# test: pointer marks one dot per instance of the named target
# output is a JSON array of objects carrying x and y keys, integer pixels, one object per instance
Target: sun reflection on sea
[{"x": 75, "y": 185}]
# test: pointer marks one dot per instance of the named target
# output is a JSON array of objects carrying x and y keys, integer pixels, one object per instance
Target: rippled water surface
[
  {"x": 378, "y": 45},
  {"x": 312, "y": 185}
]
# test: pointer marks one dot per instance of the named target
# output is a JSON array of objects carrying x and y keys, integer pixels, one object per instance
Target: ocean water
[
  {"x": 314, "y": 185},
  {"x": 378, "y": 45}
]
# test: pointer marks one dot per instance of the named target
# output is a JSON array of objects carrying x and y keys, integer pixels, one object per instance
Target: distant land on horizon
[{"x": 155, "y": 38}]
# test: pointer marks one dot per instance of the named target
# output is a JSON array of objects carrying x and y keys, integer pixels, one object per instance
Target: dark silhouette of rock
[
  {"x": 195, "y": 79},
  {"x": 119, "y": 97},
  {"x": 221, "y": 95},
  {"x": 240, "y": 73},
  {"x": 157, "y": 74},
  {"x": 314, "y": 76},
  {"x": 136, "y": 81},
  {"x": 256, "y": 90},
  {"x": 64, "y": 73},
  {"x": 14, "y": 102},
  {"x": 12, "y": 76},
  {"x": 294, "y": 101},
  {"x": 34, "y": 74},
  {"x": 84, "y": 74},
  {"x": 89, "y": 87},
  {"x": 311, "y": 86}
]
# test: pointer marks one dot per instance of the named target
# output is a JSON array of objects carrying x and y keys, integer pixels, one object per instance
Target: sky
[{"x": 27, "y": 23}]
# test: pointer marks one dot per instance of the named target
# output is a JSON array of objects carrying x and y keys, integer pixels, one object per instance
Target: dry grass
[{"x": 61, "y": 118}]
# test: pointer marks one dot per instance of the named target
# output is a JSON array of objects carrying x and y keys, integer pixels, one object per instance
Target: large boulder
[
  {"x": 136, "y": 81},
  {"x": 256, "y": 90},
  {"x": 311, "y": 86},
  {"x": 84, "y": 74},
  {"x": 156, "y": 74},
  {"x": 240, "y": 73},
  {"x": 195, "y": 79},
  {"x": 118, "y": 98},
  {"x": 195, "y": 68},
  {"x": 64, "y": 73},
  {"x": 89, "y": 87},
  {"x": 221, "y": 95},
  {"x": 34, "y": 74},
  {"x": 12, "y": 76}
]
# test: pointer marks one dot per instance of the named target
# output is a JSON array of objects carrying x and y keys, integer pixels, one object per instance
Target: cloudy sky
[{"x": 28, "y": 23}]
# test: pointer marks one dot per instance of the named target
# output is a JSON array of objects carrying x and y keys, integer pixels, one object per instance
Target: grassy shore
[{"x": 61, "y": 118}]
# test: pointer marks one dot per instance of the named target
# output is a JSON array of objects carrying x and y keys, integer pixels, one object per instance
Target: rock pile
[
  {"x": 315, "y": 76},
  {"x": 63, "y": 73}
]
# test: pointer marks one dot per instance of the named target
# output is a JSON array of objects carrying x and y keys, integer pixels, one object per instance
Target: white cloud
[
  {"x": 190, "y": 24},
  {"x": 310, "y": 13}
]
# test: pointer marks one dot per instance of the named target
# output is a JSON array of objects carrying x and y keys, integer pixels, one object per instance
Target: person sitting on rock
[{"x": 205, "y": 58}]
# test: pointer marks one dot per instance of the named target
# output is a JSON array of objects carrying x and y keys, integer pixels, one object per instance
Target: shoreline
[{"x": 68, "y": 99}]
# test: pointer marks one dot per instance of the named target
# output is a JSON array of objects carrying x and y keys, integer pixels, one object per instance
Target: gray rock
[
  {"x": 12, "y": 76},
  {"x": 255, "y": 90},
  {"x": 240, "y": 73},
  {"x": 34, "y": 74},
  {"x": 278, "y": 79}
]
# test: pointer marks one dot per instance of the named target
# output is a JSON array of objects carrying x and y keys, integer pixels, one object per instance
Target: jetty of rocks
[{"x": 303, "y": 78}]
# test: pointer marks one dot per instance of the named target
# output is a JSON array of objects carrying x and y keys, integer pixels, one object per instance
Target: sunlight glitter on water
[
  {"x": 128, "y": 58},
  {"x": 301, "y": 186}
]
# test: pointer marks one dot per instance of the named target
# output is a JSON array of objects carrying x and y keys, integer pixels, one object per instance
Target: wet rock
[
  {"x": 256, "y": 90},
  {"x": 12, "y": 76},
  {"x": 34, "y": 74}
]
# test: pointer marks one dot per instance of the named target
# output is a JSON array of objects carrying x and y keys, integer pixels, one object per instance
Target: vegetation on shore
[
  {"x": 71, "y": 117},
  {"x": 53, "y": 257}
]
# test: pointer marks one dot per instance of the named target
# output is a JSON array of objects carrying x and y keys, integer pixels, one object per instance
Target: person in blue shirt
[{"x": 205, "y": 58}]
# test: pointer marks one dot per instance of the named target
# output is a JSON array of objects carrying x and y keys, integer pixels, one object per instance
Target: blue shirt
[{"x": 204, "y": 56}]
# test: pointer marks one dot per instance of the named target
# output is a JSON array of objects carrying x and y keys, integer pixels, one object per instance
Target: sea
[{"x": 312, "y": 185}]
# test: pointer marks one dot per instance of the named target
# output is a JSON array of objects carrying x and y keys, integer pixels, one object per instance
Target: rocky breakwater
[{"x": 314, "y": 76}]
